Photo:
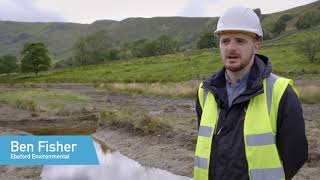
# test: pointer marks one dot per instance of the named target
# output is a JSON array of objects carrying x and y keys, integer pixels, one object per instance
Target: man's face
[{"x": 237, "y": 50}]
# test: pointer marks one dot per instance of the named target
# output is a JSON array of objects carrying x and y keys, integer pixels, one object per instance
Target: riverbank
[{"x": 170, "y": 149}]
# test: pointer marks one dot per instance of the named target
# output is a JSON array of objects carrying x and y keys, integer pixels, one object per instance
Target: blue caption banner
[{"x": 47, "y": 150}]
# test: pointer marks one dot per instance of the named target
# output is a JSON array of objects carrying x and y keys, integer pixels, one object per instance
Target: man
[{"x": 251, "y": 123}]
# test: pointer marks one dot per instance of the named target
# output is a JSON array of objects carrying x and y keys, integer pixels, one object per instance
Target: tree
[
  {"x": 35, "y": 58},
  {"x": 279, "y": 26},
  {"x": 286, "y": 17},
  {"x": 114, "y": 54},
  {"x": 207, "y": 40},
  {"x": 150, "y": 48},
  {"x": 310, "y": 48},
  {"x": 165, "y": 45},
  {"x": 139, "y": 49},
  {"x": 8, "y": 64},
  {"x": 159, "y": 46},
  {"x": 308, "y": 19},
  {"x": 93, "y": 48}
]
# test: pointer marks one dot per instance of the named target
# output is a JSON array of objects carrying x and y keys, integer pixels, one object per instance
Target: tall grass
[
  {"x": 46, "y": 101},
  {"x": 186, "y": 89},
  {"x": 134, "y": 120},
  {"x": 309, "y": 94}
]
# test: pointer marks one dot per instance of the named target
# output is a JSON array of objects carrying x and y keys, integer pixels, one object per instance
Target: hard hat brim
[{"x": 244, "y": 30}]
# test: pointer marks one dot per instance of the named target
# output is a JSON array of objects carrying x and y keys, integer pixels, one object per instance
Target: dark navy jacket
[{"x": 228, "y": 159}]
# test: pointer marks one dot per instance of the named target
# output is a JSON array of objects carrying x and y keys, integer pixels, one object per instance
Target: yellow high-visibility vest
[{"x": 260, "y": 128}]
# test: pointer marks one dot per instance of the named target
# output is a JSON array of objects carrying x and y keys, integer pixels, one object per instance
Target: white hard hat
[{"x": 239, "y": 18}]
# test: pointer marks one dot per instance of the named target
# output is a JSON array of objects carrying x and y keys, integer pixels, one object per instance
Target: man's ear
[{"x": 257, "y": 45}]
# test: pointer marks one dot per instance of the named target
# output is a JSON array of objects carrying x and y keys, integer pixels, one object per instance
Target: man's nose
[{"x": 232, "y": 46}]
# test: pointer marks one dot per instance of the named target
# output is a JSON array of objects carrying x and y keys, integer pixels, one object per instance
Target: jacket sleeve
[
  {"x": 291, "y": 138},
  {"x": 198, "y": 110}
]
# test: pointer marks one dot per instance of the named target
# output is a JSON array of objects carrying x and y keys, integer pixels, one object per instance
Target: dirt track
[{"x": 173, "y": 151}]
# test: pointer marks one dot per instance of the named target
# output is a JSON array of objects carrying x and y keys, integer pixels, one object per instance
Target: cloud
[
  {"x": 194, "y": 8},
  {"x": 26, "y": 10},
  {"x": 214, "y": 8},
  {"x": 88, "y": 11},
  {"x": 84, "y": 11}
]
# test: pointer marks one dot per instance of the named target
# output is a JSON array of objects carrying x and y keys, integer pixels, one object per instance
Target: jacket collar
[
  {"x": 261, "y": 68},
  {"x": 243, "y": 79}
]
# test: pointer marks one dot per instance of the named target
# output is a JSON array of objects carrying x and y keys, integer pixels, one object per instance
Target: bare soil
[
  {"x": 18, "y": 172},
  {"x": 173, "y": 151}
]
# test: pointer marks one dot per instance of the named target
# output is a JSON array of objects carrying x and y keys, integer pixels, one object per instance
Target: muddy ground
[
  {"x": 172, "y": 151},
  {"x": 17, "y": 172}
]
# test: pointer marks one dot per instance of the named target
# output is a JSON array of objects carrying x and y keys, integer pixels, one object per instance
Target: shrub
[
  {"x": 279, "y": 26},
  {"x": 207, "y": 40},
  {"x": 286, "y": 17},
  {"x": 8, "y": 64},
  {"x": 309, "y": 48},
  {"x": 308, "y": 20}
]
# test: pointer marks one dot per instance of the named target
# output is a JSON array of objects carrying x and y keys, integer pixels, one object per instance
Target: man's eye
[
  {"x": 240, "y": 41},
  {"x": 224, "y": 41}
]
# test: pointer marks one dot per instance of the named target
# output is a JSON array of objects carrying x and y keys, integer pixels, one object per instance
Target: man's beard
[{"x": 239, "y": 66}]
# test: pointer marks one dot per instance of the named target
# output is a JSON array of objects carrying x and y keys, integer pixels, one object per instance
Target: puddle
[{"x": 113, "y": 165}]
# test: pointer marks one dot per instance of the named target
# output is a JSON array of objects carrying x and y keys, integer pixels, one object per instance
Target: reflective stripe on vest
[
  {"x": 270, "y": 83},
  {"x": 200, "y": 162},
  {"x": 267, "y": 174},
  {"x": 205, "y": 131},
  {"x": 259, "y": 137}
]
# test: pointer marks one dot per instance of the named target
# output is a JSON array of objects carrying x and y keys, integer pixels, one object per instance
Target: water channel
[{"x": 113, "y": 166}]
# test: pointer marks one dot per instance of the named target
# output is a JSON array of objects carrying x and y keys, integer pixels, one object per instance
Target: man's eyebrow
[
  {"x": 223, "y": 38},
  {"x": 239, "y": 38}
]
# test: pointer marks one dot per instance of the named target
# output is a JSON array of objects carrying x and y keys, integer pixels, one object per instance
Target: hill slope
[{"x": 60, "y": 37}]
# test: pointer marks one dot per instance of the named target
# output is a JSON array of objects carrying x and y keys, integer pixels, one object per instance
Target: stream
[{"x": 113, "y": 165}]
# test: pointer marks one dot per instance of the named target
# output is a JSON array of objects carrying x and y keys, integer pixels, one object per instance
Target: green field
[{"x": 170, "y": 68}]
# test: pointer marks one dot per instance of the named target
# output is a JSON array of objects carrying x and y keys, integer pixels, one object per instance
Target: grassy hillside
[
  {"x": 174, "y": 75},
  {"x": 182, "y": 28},
  {"x": 294, "y": 37},
  {"x": 296, "y": 12},
  {"x": 60, "y": 37},
  {"x": 169, "y": 68}
]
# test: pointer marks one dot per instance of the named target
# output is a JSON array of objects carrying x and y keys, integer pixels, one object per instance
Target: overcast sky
[{"x": 88, "y": 11}]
